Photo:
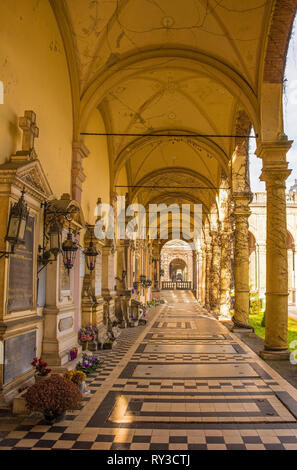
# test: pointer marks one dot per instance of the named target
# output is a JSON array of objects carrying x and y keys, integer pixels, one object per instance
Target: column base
[
  {"x": 239, "y": 327},
  {"x": 272, "y": 355},
  {"x": 224, "y": 317}
]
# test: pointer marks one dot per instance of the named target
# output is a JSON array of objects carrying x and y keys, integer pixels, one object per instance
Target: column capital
[
  {"x": 275, "y": 175},
  {"x": 241, "y": 204},
  {"x": 274, "y": 151}
]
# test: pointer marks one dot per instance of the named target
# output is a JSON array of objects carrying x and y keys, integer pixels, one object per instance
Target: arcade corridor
[{"x": 181, "y": 382}]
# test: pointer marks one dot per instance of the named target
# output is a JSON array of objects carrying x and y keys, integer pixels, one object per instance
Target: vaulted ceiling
[{"x": 169, "y": 66}]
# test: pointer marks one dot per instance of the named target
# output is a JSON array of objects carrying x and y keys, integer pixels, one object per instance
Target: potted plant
[
  {"x": 53, "y": 397},
  {"x": 89, "y": 364},
  {"x": 108, "y": 344},
  {"x": 41, "y": 370},
  {"x": 77, "y": 377},
  {"x": 84, "y": 336}
]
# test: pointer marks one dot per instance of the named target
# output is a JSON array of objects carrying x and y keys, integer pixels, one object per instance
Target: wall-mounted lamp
[
  {"x": 91, "y": 253},
  {"x": 143, "y": 282},
  {"x": 52, "y": 235},
  {"x": 69, "y": 249},
  {"x": 17, "y": 223}
]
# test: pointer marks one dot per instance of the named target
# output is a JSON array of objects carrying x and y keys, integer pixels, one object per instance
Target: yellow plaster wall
[
  {"x": 96, "y": 168},
  {"x": 34, "y": 71}
]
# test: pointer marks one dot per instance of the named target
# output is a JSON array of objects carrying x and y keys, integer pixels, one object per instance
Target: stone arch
[
  {"x": 278, "y": 40},
  {"x": 290, "y": 241},
  {"x": 252, "y": 242},
  {"x": 172, "y": 252},
  {"x": 176, "y": 265},
  {"x": 203, "y": 142},
  {"x": 188, "y": 59}
]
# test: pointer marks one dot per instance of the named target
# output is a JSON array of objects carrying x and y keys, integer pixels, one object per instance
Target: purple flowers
[{"x": 89, "y": 364}]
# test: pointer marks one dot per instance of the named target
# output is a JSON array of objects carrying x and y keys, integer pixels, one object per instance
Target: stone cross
[{"x": 30, "y": 131}]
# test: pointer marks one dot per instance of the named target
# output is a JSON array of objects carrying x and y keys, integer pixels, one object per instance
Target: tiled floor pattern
[{"x": 183, "y": 382}]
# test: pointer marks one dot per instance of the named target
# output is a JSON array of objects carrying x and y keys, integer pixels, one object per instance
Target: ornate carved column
[
  {"x": 108, "y": 280},
  {"x": 275, "y": 172},
  {"x": 241, "y": 260},
  {"x": 208, "y": 258},
  {"x": 195, "y": 274},
  {"x": 202, "y": 257},
  {"x": 92, "y": 302},
  {"x": 226, "y": 275},
  {"x": 215, "y": 271},
  {"x": 123, "y": 295},
  {"x": 79, "y": 152}
]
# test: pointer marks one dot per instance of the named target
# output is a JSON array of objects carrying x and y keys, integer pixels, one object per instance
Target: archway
[
  {"x": 177, "y": 261},
  {"x": 178, "y": 270}
]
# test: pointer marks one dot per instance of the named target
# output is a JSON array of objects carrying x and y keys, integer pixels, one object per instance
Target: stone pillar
[
  {"x": 241, "y": 260},
  {"x": 201, "y": 276},
  {"x": 208, "y": 257},
  {"x": 194, "y": 271},
  {"x": 91, "y": 299},
  {"x": 108, "y": 281},
  {"x": 275, "y": 172},
  {"x": 79, "y": 152},
  {"x": 215, "y": 271},
  {"x": 123, "y": 295},
  {"x": 226, "y": 276}
]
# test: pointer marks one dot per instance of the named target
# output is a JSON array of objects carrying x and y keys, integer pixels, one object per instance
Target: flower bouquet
[
  {"x": 41, "y": 370},
  {"x": 84, "y": 336},
  {"x": 89, "y": 364},
  {"x": 76, "y": 376},
  {"x": 53, "y": 397}
]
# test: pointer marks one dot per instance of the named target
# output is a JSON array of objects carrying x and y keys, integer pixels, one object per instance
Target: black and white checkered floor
[{"x": 182, "y": 382}]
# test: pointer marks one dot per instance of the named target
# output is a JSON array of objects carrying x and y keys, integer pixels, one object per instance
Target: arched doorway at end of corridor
[{"x": 177, "y": 266}]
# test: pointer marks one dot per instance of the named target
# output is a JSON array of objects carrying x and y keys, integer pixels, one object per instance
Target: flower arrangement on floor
[
  {"x": 85, "y": 335},
  {"x": 41, "y": 369},
  {"x": 76, "y": 376},
  {"x": 53, "y": 397},
  {"x": 89, "y": 364},
  {"x": 88, "y": 335}
]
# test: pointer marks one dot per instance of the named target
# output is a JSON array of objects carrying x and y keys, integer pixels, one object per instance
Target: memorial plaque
[
  {"x": 64, "y": 277},
  {"x": 65, "y": 324},
  {"x": 20, "y": 287},
  {"x": 98, "y": 279},
  {"x": 18, "y": 355}
]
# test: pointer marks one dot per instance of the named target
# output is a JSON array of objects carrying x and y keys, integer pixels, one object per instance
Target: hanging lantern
[
  {"x": 55, "y": 239},
  {"x": 69, "y": 249},
  {"x": 90, "y": 256},
  {"x": 17, "y": 223}
]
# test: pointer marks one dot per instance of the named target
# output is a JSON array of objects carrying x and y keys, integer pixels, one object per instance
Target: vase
[
  {"x": 92, "y": 346},
  {"x": 54, "y": 417},
  {"x": 84, "y": 346},
  {"x": 107, "y": 346},
  {"x": 38, "y": 378},
  {"x": 82, "y": 387}
]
